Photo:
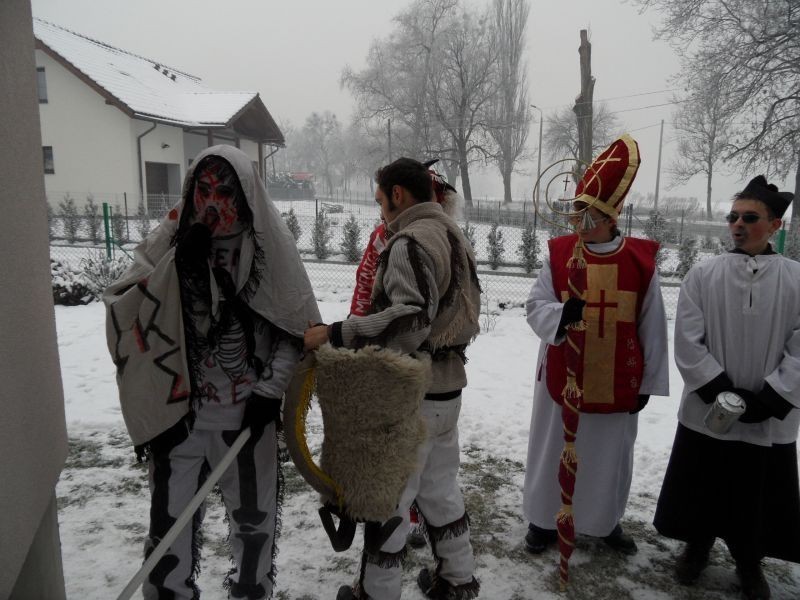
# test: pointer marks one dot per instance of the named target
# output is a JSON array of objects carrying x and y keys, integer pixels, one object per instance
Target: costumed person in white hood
[
  {"x": 623, "y": 362},
  {"x": 426, "y": 298},
  {"x": 205, "y": 329},
  {"x": 737, "y": 329}
]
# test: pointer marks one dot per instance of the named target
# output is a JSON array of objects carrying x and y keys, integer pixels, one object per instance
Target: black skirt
[{"x": 745, "y": 494}]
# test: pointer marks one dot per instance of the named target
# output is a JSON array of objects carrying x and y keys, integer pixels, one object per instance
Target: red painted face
[{"x": 215, "y": 199}]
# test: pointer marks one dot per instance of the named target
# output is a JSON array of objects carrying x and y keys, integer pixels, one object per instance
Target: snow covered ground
[{"x": 103, "y": 497}]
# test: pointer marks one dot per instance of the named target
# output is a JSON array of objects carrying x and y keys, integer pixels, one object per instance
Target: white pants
[
  {"x": 434, "y": 487},
  {"x": 249, "y": 490}
]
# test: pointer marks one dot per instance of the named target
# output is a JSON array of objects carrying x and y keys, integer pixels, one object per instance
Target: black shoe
[
  {"x": 621, "y": 541},
  {"x": 692, "y": 561},
  {"x": 537, "y": 539},
  {"x": 754, "y": 584},
  {"x": 437, "y": 588},
  {"x": 346, "y": 592}
]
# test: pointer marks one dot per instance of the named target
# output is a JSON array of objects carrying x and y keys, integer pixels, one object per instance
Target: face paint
[{"x": 214, "y": 199}]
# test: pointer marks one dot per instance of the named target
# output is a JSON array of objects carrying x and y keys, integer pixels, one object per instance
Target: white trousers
[
  {"x": 250, "y": 492},
  {"x": 435, "y": 489}
]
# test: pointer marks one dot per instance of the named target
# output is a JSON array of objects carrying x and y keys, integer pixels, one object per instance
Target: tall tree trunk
[
  {"x": 463, "y": 166},
  {"x": 507, "y": 185},
  {"x": 794, "y": 226},
  {"x": 583, "y": 103},
  {"x": 708, "y": 192}
]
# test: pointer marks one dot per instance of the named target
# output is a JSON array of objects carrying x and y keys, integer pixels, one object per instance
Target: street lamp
[{"x": 539, "y": 166}]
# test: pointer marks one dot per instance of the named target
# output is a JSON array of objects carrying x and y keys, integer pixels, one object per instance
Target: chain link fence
[{"x": 510, "y": 241}]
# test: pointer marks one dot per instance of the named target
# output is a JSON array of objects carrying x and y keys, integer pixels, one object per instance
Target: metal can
[{"x": 724, "y": 412}]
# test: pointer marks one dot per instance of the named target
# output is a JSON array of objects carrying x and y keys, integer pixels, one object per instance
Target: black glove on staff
[
  {"x": 571, "y": 313},
  {"x": 259, "y": 412},
  {"x": 641, "y": 402}
]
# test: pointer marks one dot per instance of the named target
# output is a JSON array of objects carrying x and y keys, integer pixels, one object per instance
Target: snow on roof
[{"x": 148, "y": 88}]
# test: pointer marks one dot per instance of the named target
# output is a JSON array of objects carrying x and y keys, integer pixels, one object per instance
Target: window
[
  {"x": 47, "y": 153},
  {"x": 41, "y": 85}
]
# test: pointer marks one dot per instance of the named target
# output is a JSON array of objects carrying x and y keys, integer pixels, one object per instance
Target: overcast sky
[{"x": 292, "y": 52}]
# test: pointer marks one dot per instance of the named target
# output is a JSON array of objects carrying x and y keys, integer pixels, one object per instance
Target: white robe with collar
[
  {"x": 605, "y": 441},
  {"x": 741, "y": 314}
]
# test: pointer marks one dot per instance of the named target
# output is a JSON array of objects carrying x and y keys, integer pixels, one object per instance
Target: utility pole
[
  {"x": 539, "y": 165},
  {"x": 658, "y": 168},
  {"x": 389, "y": 131}
]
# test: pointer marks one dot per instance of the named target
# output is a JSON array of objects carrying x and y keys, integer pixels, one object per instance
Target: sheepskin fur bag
[{"x": 370, "y": 400}]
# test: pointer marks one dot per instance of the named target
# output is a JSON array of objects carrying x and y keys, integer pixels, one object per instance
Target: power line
[
  {"x": 645, "y": 107},
  {"x": 617, "y": 97}
]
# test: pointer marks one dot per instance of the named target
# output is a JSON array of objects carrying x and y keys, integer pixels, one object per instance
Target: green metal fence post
[
  {"x": 780, "y": 242},
  {"x": 107, "y": 223}
]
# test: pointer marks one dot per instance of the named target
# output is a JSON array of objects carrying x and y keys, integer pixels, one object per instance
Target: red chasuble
[{"x": 613, "y": 363}]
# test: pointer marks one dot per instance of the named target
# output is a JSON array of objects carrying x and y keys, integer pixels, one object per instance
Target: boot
[
  {"x": 754, "y": 584},
  {"x": 621, "y": 541},
  {"x": 437, "y": 588},
  {"x": 692, "y": 561},
  {"x": 347, "y": 592},
  {"x": 538, "y": 539}
]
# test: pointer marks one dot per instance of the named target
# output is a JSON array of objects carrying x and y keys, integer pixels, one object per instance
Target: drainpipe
[{"x": 139, "y": 156}]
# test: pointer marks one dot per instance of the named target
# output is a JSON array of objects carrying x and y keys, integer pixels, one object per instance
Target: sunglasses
[{"x": 748, "y": 218}]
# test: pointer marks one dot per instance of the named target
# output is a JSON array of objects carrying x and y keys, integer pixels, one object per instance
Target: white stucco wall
[
  {"x": 91, "y": 140},
  {"x": 95, "y": 144}
]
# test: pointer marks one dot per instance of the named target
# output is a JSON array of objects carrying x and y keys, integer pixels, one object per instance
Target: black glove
[
  {"x": 760, "y": 407},
  {"x": 571, "y": 313},
  {"x": 260, "y": 412},
  {"x": 642, "y": 400},
  {"x": 194, "y": 247},
  {"x": 720, "y": 383}
]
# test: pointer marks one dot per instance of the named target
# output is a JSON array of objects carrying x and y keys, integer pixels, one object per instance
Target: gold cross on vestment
[{"x": 606, "y": 305}]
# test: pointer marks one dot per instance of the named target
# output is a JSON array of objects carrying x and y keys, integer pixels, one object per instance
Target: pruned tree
[
  {"x": 704, "y": 122},
  {"x": 509, "y": 116}
]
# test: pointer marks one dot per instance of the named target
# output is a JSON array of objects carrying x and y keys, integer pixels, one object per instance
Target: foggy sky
[{"x": 292, "y": 52}]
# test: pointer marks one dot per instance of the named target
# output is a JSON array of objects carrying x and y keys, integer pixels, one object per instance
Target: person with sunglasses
[{"x": 737, "y": 328}]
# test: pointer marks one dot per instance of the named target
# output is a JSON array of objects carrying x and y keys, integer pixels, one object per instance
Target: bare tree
[
  {"x": 756, "y": 43},
  {"x": 704, "y": 122},
  {"x": 395, "y": 83},
  {"x": 509, "y": 115},
  {"x": 561, "y": 133},
  {"x": 461, "y": 86},
  {"x": 320, "y": 145}
]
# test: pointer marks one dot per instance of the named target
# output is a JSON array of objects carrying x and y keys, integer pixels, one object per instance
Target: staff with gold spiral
[{"x": 602, "y": 187}]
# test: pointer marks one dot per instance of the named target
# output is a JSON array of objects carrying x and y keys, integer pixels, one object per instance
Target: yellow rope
[{"x": 309, "y": 384}]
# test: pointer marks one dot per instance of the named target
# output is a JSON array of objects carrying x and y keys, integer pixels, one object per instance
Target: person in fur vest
[
  {"x": 426, "y": 298},
  {"x": 361, "y": 304},
  {"x": 205, "y": 331}
]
